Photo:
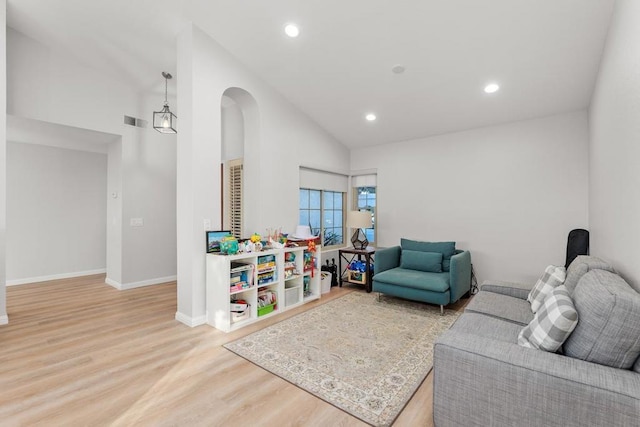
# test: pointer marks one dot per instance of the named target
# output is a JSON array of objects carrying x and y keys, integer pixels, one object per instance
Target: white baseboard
[
  {"x": 55, "y": 277},
  {"x": 4, "y": 320},
  {"x": 132, "y": 285},
  {"x": 113, "y": 283},
  {"x": 191, "y": 321}
]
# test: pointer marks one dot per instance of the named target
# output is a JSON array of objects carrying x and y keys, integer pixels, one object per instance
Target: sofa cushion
[
  {"x": 552, "y": 277},
  {"x": 514, "y": 310},
  {"x": 487, "y": 327},
  {"x": 421, "y": 261},
  {"x": 609, "y": 311},
  {"x": 447, "y": 249},
  {"x": 436, "y": 282},
  {"x": 512, "y": 289},
  {"x": 552, "y": 323},
  {"x": 580, "y": 266}
]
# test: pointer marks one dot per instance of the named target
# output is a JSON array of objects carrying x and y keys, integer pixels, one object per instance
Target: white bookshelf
[{"x": 256, "y": 277}]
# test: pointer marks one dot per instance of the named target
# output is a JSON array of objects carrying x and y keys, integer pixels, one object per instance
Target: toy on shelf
[
  {"x": 310, "y": 260},
  {"x": 229, "y": 245}
]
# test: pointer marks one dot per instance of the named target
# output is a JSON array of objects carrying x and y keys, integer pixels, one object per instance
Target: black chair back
[{"x": 577, "y": 244}]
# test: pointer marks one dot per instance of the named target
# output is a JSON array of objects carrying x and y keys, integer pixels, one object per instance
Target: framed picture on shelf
[
  {"x": 357, "y": 277},
  {"x": 214, "y": 238}
]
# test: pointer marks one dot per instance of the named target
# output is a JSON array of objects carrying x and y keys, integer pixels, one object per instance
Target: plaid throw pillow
[
  {"x": 552, "y": 324},
  {"x": 553, "y": 276}
]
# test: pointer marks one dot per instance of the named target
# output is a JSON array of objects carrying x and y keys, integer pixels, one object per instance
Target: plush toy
[{"x": 255, "y": 238}]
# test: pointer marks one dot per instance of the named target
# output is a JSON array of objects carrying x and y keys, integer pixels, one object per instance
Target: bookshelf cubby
[{"x": 246, "y": 288}]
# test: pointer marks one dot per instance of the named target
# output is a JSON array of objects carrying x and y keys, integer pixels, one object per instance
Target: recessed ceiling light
[
  {"x": 491, "y": 88},
  {"x": 292, "y": 30},
  {"x": 370, "y": 117}
]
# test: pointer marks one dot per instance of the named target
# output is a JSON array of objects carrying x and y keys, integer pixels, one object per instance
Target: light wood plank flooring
[{"x": 79, "y": 352}]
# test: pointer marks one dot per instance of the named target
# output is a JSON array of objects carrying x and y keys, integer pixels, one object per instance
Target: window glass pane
[
  {"x": 314, "y": 219},
  {"x": 369, "y": 233},
  {"x": 304, "y": 217},
  {"x": 304, "y": 199},
  {"x": 328, "y": 218},
  {"x": 314, "y": 199},
  {"x": 337, "y": 200},
  {"x": 338, "y": 231},
  {"x": 332, "y": 236},
  {"x": 328, "y": 200},
  {"x": 337, "y": 219}
]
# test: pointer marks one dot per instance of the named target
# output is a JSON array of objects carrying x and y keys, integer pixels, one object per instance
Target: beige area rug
[{"x": 363, "y": 356}]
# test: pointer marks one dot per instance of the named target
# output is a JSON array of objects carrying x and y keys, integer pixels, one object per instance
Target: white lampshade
[{"x": 359, "y": 219}]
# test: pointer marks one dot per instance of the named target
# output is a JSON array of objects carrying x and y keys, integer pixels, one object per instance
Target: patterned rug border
[{"x": 386, "y": 300}]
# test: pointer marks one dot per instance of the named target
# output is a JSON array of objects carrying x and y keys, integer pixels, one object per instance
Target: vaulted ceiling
[{"x": 544, "y": 54}]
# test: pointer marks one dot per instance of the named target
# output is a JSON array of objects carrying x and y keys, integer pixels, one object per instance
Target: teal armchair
[{"x": 432, "y": 272}]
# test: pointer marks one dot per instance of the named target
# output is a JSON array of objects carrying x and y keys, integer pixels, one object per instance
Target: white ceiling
[{"x": 544, "y": 54}]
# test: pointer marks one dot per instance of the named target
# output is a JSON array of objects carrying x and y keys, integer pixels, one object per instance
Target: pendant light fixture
[{"x": 164, "y": 121}]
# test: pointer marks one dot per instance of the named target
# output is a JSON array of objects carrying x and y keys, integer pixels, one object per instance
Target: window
[
  {"x": 323, "y": 211},
  {"x": 366, "y": 201}
]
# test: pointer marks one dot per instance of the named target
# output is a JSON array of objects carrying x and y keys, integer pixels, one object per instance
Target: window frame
[{"x": 322, "y": 214}]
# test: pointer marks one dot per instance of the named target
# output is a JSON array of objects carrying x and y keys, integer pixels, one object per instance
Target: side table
[{"x": 349, "y": 254}]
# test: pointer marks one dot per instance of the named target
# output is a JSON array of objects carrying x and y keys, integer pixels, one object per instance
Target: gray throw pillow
[
  {"x": 607, "y": 332},
  {"x": 552, "y": 324},
  {"x": 580, "y": 266}
]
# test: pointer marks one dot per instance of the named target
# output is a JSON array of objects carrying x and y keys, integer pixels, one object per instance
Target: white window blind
[
  {"x": 235, "y": 198},
  {"x": 323, "y": 180},
  {"x": 364, "y": 180}
]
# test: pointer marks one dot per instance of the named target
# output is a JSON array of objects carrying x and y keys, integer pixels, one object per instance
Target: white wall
[
  {"x": 54, "y": 87},
  {"x": 286, "y": 139},
  {"x": 149, "y": 192},
  {"x": 3, "y": 159},
  {"x": 232, "y": 130},
  {"x": 510, "y": 193},
  {"x": 614, "y": 118},
  {"x": 114, "y": 213},
  {"x": 56, "y": 212}
]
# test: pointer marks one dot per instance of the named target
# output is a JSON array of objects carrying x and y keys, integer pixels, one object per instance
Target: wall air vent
[
  {"x": 132, "y": 121},
  {"x": 142, "y": 123}
]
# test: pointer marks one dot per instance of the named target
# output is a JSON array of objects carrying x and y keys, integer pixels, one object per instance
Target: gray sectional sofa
[{"x": 482, "y": 377}]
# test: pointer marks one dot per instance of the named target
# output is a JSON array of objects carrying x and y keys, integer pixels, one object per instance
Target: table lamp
[{"x": 359, "y": 220}]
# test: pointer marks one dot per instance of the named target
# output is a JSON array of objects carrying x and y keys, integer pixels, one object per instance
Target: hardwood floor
[{"x": 79, "y": 352}]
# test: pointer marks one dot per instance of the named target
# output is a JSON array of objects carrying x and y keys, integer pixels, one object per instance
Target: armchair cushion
[
  {"x": 447, "y": 249},
  {"x": 436, "y": 282},
  {"x": 422, "y": 261}
]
